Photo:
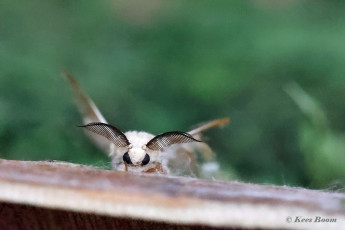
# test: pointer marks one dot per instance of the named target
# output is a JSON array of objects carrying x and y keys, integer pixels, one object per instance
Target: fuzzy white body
[{"x": 179, "y": 157}]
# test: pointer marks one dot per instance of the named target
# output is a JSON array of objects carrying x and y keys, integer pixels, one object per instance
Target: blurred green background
[{"x": 277, "y": 68}]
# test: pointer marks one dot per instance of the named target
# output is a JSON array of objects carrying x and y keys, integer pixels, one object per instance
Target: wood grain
[{"x": 40, "y": 195}]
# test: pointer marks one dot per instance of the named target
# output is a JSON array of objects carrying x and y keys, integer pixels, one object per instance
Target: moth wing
[
  {"x": 196, "y": 132},
  {"x": 208, "y": 125},
  {"x": 89, "y": 113},
  {"x": 183, "y": 161}
]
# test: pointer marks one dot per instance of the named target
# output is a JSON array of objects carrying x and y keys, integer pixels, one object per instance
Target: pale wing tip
[
  {"x": 209, "y": 125},
  {"x": 223, "y": 121},
  {"x": 69, "y": 77}
]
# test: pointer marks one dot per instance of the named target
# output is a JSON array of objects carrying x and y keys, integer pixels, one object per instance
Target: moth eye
[
  {"x": 126, "y": 158},
  {"x": 146, "y": 160}
]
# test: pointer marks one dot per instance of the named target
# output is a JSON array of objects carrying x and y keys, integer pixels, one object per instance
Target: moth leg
[{"x": 158, "y": 168}]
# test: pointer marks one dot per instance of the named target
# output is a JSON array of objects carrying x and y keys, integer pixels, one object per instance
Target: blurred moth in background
[{"x": 171, "y": 152}]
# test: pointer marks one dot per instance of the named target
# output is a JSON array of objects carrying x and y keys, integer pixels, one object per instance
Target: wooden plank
[
  {"x": 14, "y": 216},
  {"x": 47, "y": 193}
]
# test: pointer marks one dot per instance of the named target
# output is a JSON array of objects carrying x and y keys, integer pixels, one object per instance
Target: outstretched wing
[
  {"x": 204, "y": 148},
  {"x": 209, "y": 125},
  {"x": 88, "y": 111},
  {"x": 87, "y": 108}
]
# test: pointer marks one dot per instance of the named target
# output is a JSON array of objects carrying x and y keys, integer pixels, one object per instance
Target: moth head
[{"x": 137, "y": 155}]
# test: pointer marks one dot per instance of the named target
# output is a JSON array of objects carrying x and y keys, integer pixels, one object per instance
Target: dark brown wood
[
  {"x": 16, "y": 217},
  {"x": 57, "y": 195}
]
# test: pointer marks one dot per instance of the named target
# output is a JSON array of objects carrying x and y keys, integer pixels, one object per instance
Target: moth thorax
[{"x": 137, "y": 155}]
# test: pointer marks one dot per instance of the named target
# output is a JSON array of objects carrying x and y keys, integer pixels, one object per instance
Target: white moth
[{"x": 138, "y": 151}]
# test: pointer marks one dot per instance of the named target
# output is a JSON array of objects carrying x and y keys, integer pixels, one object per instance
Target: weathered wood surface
[{"x": 55, "y": 195}]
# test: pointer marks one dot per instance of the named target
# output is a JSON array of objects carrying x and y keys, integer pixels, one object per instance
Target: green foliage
[
  {"x": 323, "y": 148},
  {"x": 164, "y": 66}
]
